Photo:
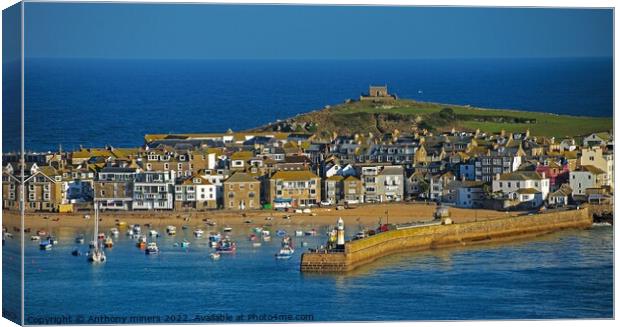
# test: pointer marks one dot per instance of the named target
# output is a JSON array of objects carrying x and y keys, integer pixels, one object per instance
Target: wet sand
[{"x": 365, "y": 215}]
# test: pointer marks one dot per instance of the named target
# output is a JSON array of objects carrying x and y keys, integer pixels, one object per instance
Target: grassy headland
[{"x": 405, "y": 115}]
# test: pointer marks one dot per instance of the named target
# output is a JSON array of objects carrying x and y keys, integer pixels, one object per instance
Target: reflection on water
[{"x": 562, "y": 275}]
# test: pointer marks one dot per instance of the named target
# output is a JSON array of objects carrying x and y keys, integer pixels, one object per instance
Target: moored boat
[
  {"x": 108, "y": 242},
  {"x": 252, "y": 237},
  {"x": 96, "y": 255},
  {"x": 215, "y": 237},
  {"x": 198, "y": 233},
  {"x": 137, "y": 228},
  {"x": 41, "y": 232},
  {"x": 45, "y": 245},
  {"x": 171, "y": 230},
  {"x": 130, "y": 232},
  {"x": 185, "y": 244},
  {"x": 153, "y": 233},
  {"x": 114, "y": 231},
  {"x": 226, "y": 246},
  {"x": 101, "y": 236},
  {"x": 152, "y": 248},
  {"x": 227, "y": 229},
  {"x": 280, "y": 232},
  {"x": 299, "y": 233},
  {"x": 285, "y": 253},
  {"x": 311, "y": 232},
  {"x": 214, "y": 256},
  {"x": 257, "y": 244},
  {"x": 267, "y": 238},
  {"x": 35, "y": 238}
]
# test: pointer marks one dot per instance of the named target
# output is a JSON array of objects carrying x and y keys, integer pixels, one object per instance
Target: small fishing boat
[
  {"x": 266, "y": 232},
  {"x": 45, "y": 245},
  {"x": 91, "y": 245},
  {"x": 267, "y": 238},
  {"x": 212, "y": 244},
  {"x": 121, "y": 224},
  {"x": 226, "y": 246},
  {"x": 130, "y": 232},
  {"x": 136, "y": 229},
  {"x": 141, "y": 242},
  {"x": 215, "y": 256},
  {"x": 101, "y": 236},
  {"x": 114, "y": 231},
  {"x": 299, "y": 233},
  {"x": 96, "y": 255},
  {"x": 41, "y": 232},
  {"x": 280, "y": 232},
  {"x": 184, "y": 227},
  {"x": 227, "y": 229},
  {"x": 215, "y": 237},
  {"x": 257, "y": 244},
  {"x": 185, "y": 244},
  {"x": 360, "y": 235},
  {"x": 108, "y": 242},
  {"x": 35, "y": 238},
  {"x": 252, "y": 237},
  {"x": 198, "y": 233},
  {"x": 52, "y": 240},
  {"x": 304, "y": 244},
  {"x": 8, "y": 235},
  {"x": 171, "y": 230},
  {"x": 76, "y": 253},
  {"x": 152, "y": 248},
  {"x": 285, "y": 253},
  {"x": 311, "y": 232},
  {"x": 287, "y": 241},
  {"x": 153, "y": 233}
]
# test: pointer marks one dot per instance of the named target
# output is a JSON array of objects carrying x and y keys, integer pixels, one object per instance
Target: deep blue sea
[
  {"x": 563, "y": 275},
  {"x": 97, "y": 102}
]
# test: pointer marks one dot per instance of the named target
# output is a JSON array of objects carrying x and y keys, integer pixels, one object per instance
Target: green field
[{"x": 405, "y": 114}]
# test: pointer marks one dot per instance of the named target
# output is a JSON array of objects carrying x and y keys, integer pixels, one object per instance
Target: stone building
[
  {"x": 377, "y": 93},
  {"x": 241, "y": 192}
]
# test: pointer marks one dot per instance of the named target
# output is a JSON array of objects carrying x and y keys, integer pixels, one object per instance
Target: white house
[
  {"x": 586, "y": 177},
  {"x": 524, "y": 186},
  {"x": 154, "y": 190}
]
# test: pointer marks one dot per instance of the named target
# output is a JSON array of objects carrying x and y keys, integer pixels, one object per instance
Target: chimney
[
  {"x": 543, "y": 175},
  {"x": 497, "y": 176}
]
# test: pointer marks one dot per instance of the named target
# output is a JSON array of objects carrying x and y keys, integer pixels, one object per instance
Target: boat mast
[{"x": 96, "y": 235}]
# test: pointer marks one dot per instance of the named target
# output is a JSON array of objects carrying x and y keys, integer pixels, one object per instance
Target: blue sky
[{"x": 312, "y": 32}]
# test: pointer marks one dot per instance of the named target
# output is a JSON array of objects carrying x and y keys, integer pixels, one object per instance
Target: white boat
[
  {"x": 153, "y": 233},
  {"x": 108, "y": 242},
  {"x": 258, "y": 230},
  {"x": 96, "y": 255},
  {"x": 185, "y": 244},
  {"x": 171, "y": 230},
  {"x": 212, "y": 244},
  {"x": 114, "y": 231},
  {"x": 45, "y": 245},
  {"x": 35, "y": 238},
  {"x": 257, "y": 244},
  {"x": 198, "y": 233},
  {"x": 130, "y": 232},
  {"x": 228, "y": 229},
  {"x": 136, "y": 229},
  {"x": 267, "y": 238},
  {"x": 266, "y": 233},
  {"x": 285, "y": 253},
  {"x": 299, "y": 233},
  {"x": 152, "y": 248},
  {"x": 215, "y": 256}
]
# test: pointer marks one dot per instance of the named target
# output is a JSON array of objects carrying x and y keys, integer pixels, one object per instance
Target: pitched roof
[
  {"x": 240, "y": 177},
  {"x": 520, "y": 176},
  {"x": 336, "y": 178},
  {"x": 527, "y": 191},
  {"x": 294, "y": 175},
  {"x": 592, "y": 169}
]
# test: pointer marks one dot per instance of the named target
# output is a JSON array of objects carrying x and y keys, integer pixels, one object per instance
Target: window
[{"x": 166, "y": 166}]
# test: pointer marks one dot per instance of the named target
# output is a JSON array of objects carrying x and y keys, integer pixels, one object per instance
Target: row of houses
[{"x": 274, "y": 169}]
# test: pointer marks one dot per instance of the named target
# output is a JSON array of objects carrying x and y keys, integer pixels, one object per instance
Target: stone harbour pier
[{"x": 358, "y": 252}]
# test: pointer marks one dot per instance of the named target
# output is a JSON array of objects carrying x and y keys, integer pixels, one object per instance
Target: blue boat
[{"x": 45, "y": 245}]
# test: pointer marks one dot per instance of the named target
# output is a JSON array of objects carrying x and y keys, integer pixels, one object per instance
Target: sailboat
[{"x": 96, "y": 255}]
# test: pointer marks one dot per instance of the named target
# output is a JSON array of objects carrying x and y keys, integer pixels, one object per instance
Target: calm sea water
[
  {"x": 562, "y": 275},
  {"x": 98, "y": 102}
]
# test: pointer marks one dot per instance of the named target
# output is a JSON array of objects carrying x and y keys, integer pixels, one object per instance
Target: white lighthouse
[{"x": 340, "y": 232}]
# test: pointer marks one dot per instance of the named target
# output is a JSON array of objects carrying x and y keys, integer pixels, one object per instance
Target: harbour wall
[{"x": 363, "y": 251}]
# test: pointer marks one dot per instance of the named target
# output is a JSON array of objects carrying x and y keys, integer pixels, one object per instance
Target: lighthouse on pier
[{"x": 340, "y": 234}]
